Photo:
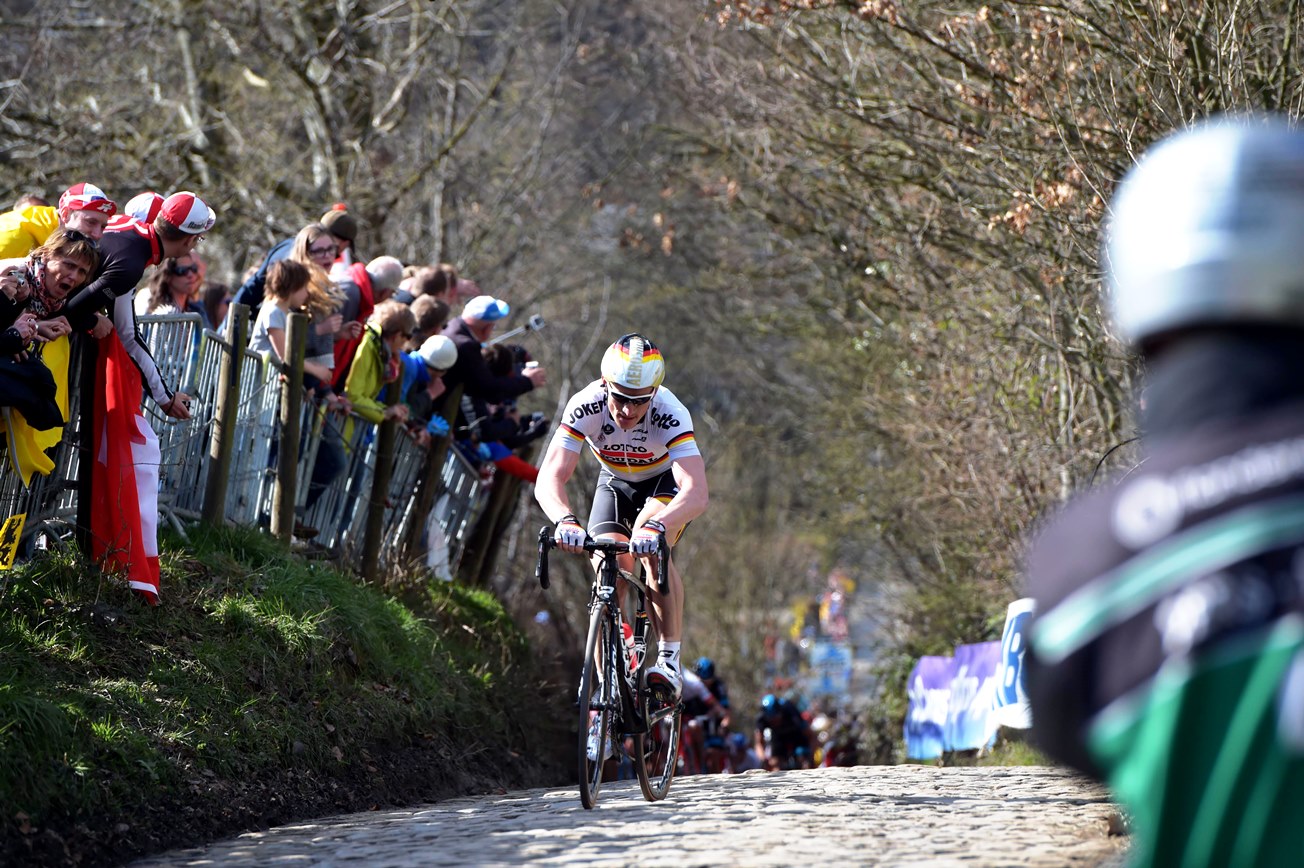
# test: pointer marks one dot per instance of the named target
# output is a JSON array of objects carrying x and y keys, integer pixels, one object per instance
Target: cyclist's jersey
[
  {"x": 1167, "y": 653},
  {"x": 696, "y": 695},
  {"x": 664, "y": 435},
  {"x": 788, "y": 733}
]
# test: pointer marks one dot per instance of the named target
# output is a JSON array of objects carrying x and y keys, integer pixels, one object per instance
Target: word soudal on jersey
[{"x": 664, "y": 434}]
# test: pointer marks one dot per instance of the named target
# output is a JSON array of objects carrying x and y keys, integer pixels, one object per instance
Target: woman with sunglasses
[
  {"x": 174, "y": 287},
  {"x": 652, "y": 482}
]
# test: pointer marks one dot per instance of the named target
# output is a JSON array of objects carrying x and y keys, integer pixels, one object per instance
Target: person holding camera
[{"x": 469, "y": 333}]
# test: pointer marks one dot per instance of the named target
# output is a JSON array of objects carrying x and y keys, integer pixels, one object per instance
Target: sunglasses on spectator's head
[
  {"x": 78, "y": 236},
  {"x": 183, "y": 270},
  {"x": 633, "y": 400}
]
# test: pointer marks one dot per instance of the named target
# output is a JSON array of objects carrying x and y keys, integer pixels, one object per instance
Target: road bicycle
[{"x": 611, "y": 687}]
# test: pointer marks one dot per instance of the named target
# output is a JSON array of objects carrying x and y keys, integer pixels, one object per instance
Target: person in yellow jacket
[
  {"x": 82, "y": 207},
  {"x": 376, "y": 362}
]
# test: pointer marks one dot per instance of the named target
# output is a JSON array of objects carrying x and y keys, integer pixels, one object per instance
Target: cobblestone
[{"x": 867, "y": 815}]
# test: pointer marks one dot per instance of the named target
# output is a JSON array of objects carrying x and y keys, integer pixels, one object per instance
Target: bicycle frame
[{"x": 630, "y": 706}]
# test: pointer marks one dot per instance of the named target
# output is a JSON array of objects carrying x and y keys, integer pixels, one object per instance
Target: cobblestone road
[{"x": 869, "y": 815}]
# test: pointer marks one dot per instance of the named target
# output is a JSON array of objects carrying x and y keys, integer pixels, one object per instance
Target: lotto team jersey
[{"x": 664, "y": 435}]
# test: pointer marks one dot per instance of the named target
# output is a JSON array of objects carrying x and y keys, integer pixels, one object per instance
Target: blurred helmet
[
  {"x": 439, "y": 352},
  {"x": 705, "y": 667},
  {"x": 144, "y": 206},
  {"x": 1208, "y": 229},
  {"x": 737, "y": 741},
  {"x": 769, "y": 703},
  {"x": 633, "y": 362}
]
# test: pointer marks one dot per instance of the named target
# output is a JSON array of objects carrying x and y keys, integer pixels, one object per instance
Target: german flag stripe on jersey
[
  {"x": 686, "y": 437},
  {"x": 572, "y": 432}
]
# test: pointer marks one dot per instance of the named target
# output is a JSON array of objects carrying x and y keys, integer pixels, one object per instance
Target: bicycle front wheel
[
  {"x": 658, "y": 751},
  {"x": 597, "y": 698}
]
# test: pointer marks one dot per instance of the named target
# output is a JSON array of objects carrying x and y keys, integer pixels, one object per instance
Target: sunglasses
[
  {"x": 78, "y": 236},
  {"x": 183, "y": 270},
  {"x": 633, "y": 400},
  {"x": 323, "y": 251}
]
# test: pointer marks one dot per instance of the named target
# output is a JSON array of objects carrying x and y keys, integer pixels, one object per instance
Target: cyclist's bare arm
[
  {"x": 691, "y": 501},
  {"x": 550, "y": 490}
]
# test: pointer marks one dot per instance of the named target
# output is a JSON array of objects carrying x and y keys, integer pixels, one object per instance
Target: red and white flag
[{"x": 124, "y": 480}]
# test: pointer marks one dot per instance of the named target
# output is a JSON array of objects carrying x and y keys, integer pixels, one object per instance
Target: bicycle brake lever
[{"x": 541, "y": 566}]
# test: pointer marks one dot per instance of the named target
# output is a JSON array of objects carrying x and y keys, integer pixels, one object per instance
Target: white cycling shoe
[
  {"x": 608, "y": 745},
  {"x": 663, "y": 680}
]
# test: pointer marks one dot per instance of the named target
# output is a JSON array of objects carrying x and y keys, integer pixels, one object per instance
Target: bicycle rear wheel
[
  {"x": 658, "y": 752},
  {"x": 597, "y": 698}
]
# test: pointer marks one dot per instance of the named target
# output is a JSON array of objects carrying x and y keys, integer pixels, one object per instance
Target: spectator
[
  {"x": 216, "y": 299},
  {"x": 436, "y": 282},
  {"x": 83, "y": 207},
  {"x": 173, "y": 287},
  {"x": 474, "y": 327},
  {"x": 314, "y": 247},
  {"x": 34, "y": 291},
  {"x": 364, "y": 288},
  {"x": 344, "y": 227},
  {"x": 285, "y": 292},
  {"x": 376, "y": 362},
  {"x": 1165, "y": 654},
  {"x": 337, "y": 223},
  {"x": 29, "y": 199},
  {"x": 464, "y": 290},
  {"x": 431, "y": 314},
  {"x": 492, "y": 431},
  {"x": 423, "y": 382},
  {"x": 129, "y": 247},
  {"x": 144, "y": 206}
]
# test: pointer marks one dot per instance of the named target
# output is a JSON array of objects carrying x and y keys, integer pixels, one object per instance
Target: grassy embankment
[{"x": 266, "y": 688}]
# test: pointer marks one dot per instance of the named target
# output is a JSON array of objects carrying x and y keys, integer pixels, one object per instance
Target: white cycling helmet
[
  {"x": 439, "y": 352},
  {"x": 1209, "y": 228},
  {"x": 633, "y": 362}
]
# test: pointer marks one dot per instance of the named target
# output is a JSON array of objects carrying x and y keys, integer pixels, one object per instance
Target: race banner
[
  {"x": 969, "y": 722},
  {"x": 929, "y": 694},
  {"x": 1011, "y": 701}
]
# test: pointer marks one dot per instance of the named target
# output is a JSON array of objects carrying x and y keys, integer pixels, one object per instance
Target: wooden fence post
[
  {"x": 379, "y": 495},
  {"x": 287, "y": 450},
  {"x": 224, "y": 416}
]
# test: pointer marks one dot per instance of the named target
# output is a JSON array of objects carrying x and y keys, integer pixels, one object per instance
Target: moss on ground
[{"x": 264, "y": 689}]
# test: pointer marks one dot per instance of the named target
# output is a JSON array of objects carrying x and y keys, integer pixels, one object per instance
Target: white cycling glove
[
  {"x": 569, "y": 532},
  {"x": 647, "y": 538}
]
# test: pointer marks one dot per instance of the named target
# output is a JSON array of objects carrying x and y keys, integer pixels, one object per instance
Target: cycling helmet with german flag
[{"x": 633, "y": 362}]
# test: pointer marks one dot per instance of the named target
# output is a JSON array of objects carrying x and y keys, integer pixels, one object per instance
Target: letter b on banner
[{"x": 1011, "y": 699}]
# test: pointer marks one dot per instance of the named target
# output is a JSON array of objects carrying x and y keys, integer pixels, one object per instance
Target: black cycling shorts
[{"x": 617, "y": 503}]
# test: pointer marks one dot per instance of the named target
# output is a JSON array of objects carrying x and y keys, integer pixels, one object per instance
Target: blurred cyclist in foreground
[{"x": 1167, "y": 655}]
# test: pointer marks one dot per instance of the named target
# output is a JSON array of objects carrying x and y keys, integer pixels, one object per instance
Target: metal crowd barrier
[{"x": 191, "y": 355}]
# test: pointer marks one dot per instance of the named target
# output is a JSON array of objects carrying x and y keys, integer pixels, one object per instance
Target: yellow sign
[{"x": 10, "y": 533}]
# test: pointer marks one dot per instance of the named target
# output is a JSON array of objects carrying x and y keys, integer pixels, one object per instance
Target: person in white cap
[
  {"x": 423, "y": 382},
  {"x": 128, "y": 248},
  {"x": 82, "y": 207},
  {"x": 144, "y": 206}
]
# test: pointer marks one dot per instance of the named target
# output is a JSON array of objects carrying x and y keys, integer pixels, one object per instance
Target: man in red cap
[
  {"x": 128, "y": 248},
  {"x": 82, "y": 207}
]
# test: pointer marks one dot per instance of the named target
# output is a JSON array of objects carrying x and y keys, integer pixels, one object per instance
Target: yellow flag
[{"x": 10, "y": 533}]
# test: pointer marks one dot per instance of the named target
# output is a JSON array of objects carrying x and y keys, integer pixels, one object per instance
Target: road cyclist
[{"x": 651, "y": 484}]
